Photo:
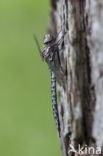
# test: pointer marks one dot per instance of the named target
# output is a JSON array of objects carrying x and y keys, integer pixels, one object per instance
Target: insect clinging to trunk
[{"x": 50, "y": 54}]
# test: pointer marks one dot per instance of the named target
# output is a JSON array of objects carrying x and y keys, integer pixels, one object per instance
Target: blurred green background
[{"x": 27, "y": 126}]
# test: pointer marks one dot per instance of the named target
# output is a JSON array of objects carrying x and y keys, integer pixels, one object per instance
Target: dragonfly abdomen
[{"x": 54, "y": 101}]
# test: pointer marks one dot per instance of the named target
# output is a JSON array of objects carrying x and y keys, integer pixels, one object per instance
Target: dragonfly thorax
[{"x": 47, "y": 53}]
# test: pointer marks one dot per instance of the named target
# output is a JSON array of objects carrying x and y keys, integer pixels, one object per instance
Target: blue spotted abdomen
[{"x": 54, "y": 101}]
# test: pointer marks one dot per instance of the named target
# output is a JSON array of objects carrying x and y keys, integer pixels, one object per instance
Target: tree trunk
[{"x": 81, "y": 87}]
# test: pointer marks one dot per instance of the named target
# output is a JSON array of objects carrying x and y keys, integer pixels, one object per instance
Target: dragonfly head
[{"x": 48, "y": 38}]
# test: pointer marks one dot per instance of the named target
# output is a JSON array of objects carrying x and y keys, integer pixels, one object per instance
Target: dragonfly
[{"x": 50, "y": 54}]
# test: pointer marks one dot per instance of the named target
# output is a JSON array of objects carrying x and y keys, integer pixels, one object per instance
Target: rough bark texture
[{"x": 81, "y": 55}]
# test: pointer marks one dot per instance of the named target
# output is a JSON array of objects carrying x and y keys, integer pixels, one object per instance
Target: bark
[{"x": 81, "y": 56}]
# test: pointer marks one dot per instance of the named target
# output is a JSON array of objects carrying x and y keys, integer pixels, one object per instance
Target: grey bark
[{"x": 81, "y": 55}]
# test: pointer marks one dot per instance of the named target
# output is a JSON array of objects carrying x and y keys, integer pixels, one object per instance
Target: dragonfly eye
[{"x": 48, "y": 38}]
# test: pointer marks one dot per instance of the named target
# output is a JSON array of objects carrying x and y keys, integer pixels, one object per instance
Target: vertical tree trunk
[{"x": 81, "y": 89}]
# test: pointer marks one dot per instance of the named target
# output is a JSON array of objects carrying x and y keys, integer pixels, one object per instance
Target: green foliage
[{"x": 27, "y": 126}]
